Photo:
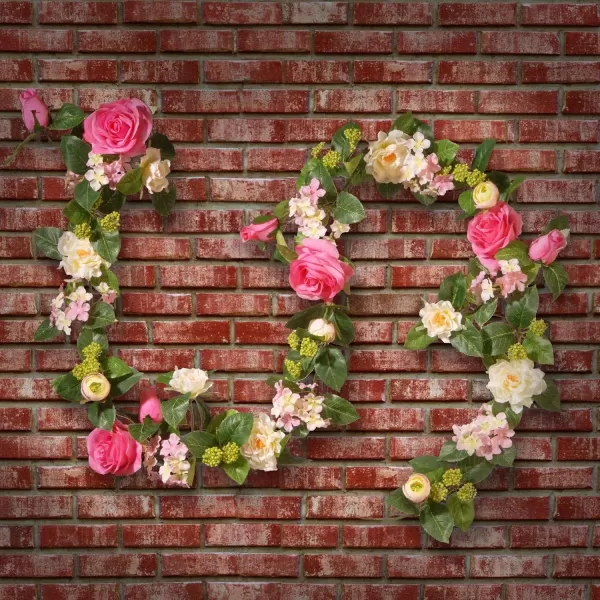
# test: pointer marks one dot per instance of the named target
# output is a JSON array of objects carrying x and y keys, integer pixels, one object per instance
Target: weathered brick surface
[{"x": 245, "y": 88}]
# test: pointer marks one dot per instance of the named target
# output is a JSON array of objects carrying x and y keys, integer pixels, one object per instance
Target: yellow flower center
[
  {"x": 390, "y": 158},
  {"x": 416, "y": 486},
  {"x": 439, "y": 319}
]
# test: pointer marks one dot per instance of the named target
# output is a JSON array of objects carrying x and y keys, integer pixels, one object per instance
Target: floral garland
[{"x": 110, "y": 154}]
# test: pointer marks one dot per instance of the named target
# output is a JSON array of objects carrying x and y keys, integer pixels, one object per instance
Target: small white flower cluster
[
  {"x": 291, "y": 409},
  {"x": 172, "y": 460},
  {"x": 105, "y": 173},
  {"x": 513, "y": 279},
  {"x": 63, "y": 313}
]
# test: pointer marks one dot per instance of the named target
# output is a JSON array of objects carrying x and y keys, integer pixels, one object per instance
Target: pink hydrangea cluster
[
  {"x": 292, "y": 409},
  {"x": 430, "y": 183},
  {"x": 66, "y": 309},
  {"x": 105, "y": 173},
  {"x": 485, "y": 288},
  {"x": 170, "y": 456},
  {"x": 486, "y": 436}
]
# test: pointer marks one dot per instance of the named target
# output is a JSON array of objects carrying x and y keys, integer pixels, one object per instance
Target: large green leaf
[
  {"x": 119, "y": 386},
  {"x": 482, "y": 154},
  {"x": 514, "y": 184},
  {"x": 437, "y": 522},
  {"x": 340, "y": 411},
  {"x": 520, "y": 313},
  {"x": 497, "y": 338},
  {"x": 198, "y": 442},
  {"x": 131, "y": 182},
  {"x": 550, "y": 399},
  {"x": 446, "y": 151},
  {"x": 102, "y": 414},
  {"x": 319, "y": 170},
  {"x": 45, "y": 331},
  {"x": 561, "y": 223},
  {"x": 331, "y": 368},
  {"x": 67, "y": 117},
  {"x": 449, "y": 453},
  {"x": 85, "y": 196},
  {"x": 101, "y": 315},
  {"x": 476, "y": 469},
  {"x": 238, "y": 471},
  {"x": 344, "y": 328},
  {"x": 405, "y": 123},
  {"x": 75, "y": 213},
  {"x": 401, "y": 503},
  {"x": 516, "y": 249},
  {"x": 428, "y": 465},
  {"x": 235, "y": 428},
  {"x": 107, "y": 244},
  {"x": 46, "y": 241},
  {"x": 417, "y": 338},
  {"x": 142, "y": 431},
  {"x": 486, "y": 311},
  {"x": 506, "y": 459},
  {"x": 555, "y": 278},
  {"x": 539, "y": 349},
  {"x": 115, "y": 368},
  {"x": 388, "y": 190},
  {"x": 75, "y": 153},
  {"x": 468, "y": 340},
  {"x": 68, "y": 387},
  {"x": 175, "y": 409},
  {"x": 162, "y": 142},
  {"x": 348, "y": 209},
  {"x": 454, "y": 289},
  {"x": 500, "y": 180},
  {"x": 164, "y": 201},
  {"x": 466, "y": 202},
  {"x": 462, "y": 513},
  {"x": 112, "y": 200}
]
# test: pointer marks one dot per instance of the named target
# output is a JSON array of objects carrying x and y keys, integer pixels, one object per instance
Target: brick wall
[{"x": 244, "y": 89}]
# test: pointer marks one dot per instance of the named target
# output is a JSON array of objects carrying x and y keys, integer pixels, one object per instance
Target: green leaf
[
  {"x": 45, "y": 331},
  {"x": 417, "y": 338},
  {"x": 85, "y": 196},
  {"x": 466, "y": 202},
  {"x": 482, "y": 154},
  {"x": 520, "y": 313},
  {"x": 331, "y": 368},
  {"x": 292, "y": 385},
  {"x": 462, "y": 513},
  {"x": 67, "y": 117},
  {"x": 302, "y": 319},
  {"x": 388, "y": 190},
  {"x": 112, "y": 200},
  {"x": 287, "y": 254},
  {"x": 119, "y": 386},
  {"x": 142, "y": 431},
  {"x": 515, "y": 249},
  {"x": 511, "y": 416},
  {"x": 340, "y": 411},
  {"x": 46, "y": 241},
  {"x": 341, "y": 143},
  {"x": 426, "y": 130},
  {"x": 428, "y": 465},
  {"x": 476, "y": 469},
  {"x": 175, "y": 409},
  {"x": 344, "y": 328},
  {"x": 287, "y": 458},
  {"x": 406, "y": 123},
  {"x": 454, "y": 289},
  {"x": 218, "y": 419},
  {"x": 131, "y": 182},
  {"x": 446, "y": 152},
  {"x": 101, "y": 315},
  {"x": 539, "y": 349},
  {"x": 353, "y": 163},
  {"x": 75, "y": 213},
  {"x": 468, "y": 340},
  {"x": 235, "y": 428},
  {"x": 198, "y": 442},
  {"x": 162, "y": 142},
  {"x": 360, "y": 175},
  {"x": 115, "y": 368},
  {"x": 75, "y": 153},
  {"x": 555, "y": 278},
  {"x": 486, "y": 311},
  {"x": 475, "y": 267},
  {"x": 550, "y": 399},
  {"x": 165, "y": 378},
  {"x": 401, "y": 503},
  {"x": 238, "y": 471},
  {"x": 108, "y": 277},
  {"x": 164, "y": 201},
  {"x": 561, "y": 223},
  {"x": 68, "y": 387},
  {"x": 514, "y": 184},
  {"x": 102, "y": 414},
  {"x": 437, "y": 522},
  {"x": 425, "y": 199},
  {"x": 506, "y": 459},
  {"x": 500, "y": 180},
  {"x": 497, "y": 338},
  {"x": 282, "y": 210},
  {"x": 449, "y": 453},
  {"x": 107, "y": 244},
  {"x": 319, "y": 170},
  {"x": 348, "y": 209}
]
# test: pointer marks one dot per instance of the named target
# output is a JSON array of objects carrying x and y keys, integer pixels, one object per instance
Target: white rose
[
  {"x": 194, "y": 381},
  {"x": 323, "y": 329},
  {"x": 264, "y": 444},
  {"x": 516, "y": 382},
  {"x": 155, "y": 171},
  {"x": 386, "y": 157},
  {"x": 80, "y": 260},
  {"x": 440, "y": 320},
  {"x": 485, "y": 195}
]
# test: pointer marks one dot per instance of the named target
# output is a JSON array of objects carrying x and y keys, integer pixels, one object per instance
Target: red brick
[
  {"x": 353, "y": 101},
  {"x": 582, "y": 161},
  {"x": 160, "y": 71},
  {"x": 12, "y": 11},
  {"x": 552, "y": 591},
  {"x": 519, "y": 42},
  {"x": 392, "y": 14},
  {"x": 425, "y": 567},
  {"x": 387, "y": 536},
  {"x": 94, "y": 40},
  {"x": 511, "y": 102},
  {"x": 92, "y": 98},
  {"x": 489, "y": 13},
  {"x": 342, "y": 565},
  {"x": 311, "y": 13},
  {"x": 560, "y": 72},
  {"x": 512, "y": 508},
  {"x": 79, "y": 591},
  {"x": 192, "y": 40},
  {"x": 71, "y": 13},
  {"x": 276, "y": 101},
  {"x": 256, "y": 40},
  {"x": 162, "y": 591},
  {"x": 247, "y": 71},
  {"x": 117, "y": 565},
  {"x": 243, "y": 534},
  {"x": 560, "y": 14},
  {"x": 509, "y": 566},
  {"x": 101, "y": 70},
  {"x": 548, "y": 536},
  {"x": 34, "y": 566},
  {"x": 316, "y": 71},
  {"x": 354, "y": 42},
  {"x": 241, "y": 13},
  {"x": 163, "y": 535},
  {"x": 136, "y": 11},
  {"x": 246, "y": 130},
  {"x": 577, "y": 508},
  {"x": 545, "y": 130},
  {"x": 437, "y": 42},
  {"x": 78, "y": 536},
  {"x": 20, "y": 69},
  {"x": 573, "y": 565},
  {"x": 467, "y": 71},
  {"x": 25, "y": 40},
  {"x": 433, "y": 101},
  {"x": 392, "y": 71},
  {"x": 474, "y": 131},
  {"x": 463, "y": 592},
  {"x": 582, "y": 42}
]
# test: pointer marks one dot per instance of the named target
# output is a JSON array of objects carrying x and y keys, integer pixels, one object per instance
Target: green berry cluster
[
  {"x": 332, "y": 159},
  {"x": 212, "y": 457},
  {"x": 517, "y": 352},
  {"x": 93, "y": 350},
  {"x": 439, "y": 492},
  {"x": 86, "y": 367},
  {"x": 353, "y": 135},
  {"x": 83, "y": 231},
  {"x": 316, "y": 151},
  {"x": 460, "y": 172},
  {"x": 467, "y": 492},
  {"x": 538, "y": 327},
  {"x": 308, "y": 347},
  {"x": 293, "y": 341},
  {"x": 475, "y": 177},
  {"x": 111, "y": 221},
  {"x": 452, "y": 478},
  {"x": 231, "y": 452},
  {"x": 293, "y": 368},
  {"x": 446, "y": 170}
]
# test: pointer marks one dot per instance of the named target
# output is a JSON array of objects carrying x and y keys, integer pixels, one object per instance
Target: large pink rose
[
  {"x": 150, "y": 405},
  {"x": 114, "y": 452},
  {"x": 120, "y": 127},
  {"x": 30, "y": 103},
  {"x": 493, "y": 230},
  {"x": 318, "y": 273},
  {"x": 547, "y": 247},
  {"x": 261, "y": 232}
]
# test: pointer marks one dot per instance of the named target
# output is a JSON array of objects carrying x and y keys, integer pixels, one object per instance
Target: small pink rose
[
  {"x": 120, "y": 127},
  {"x": 547, "y": 247},
  {"x": 30, "y": 103},
  {"x": 150, "y": 405},
  {"x": 318, "y": 273},
  {"x": 493, "y": 230},
  {"x": 114, "y": 452},
  {"x": 260, "y": 232}
]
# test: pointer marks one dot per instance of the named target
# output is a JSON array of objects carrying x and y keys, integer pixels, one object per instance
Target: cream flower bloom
[
  {"x": 516, "y": 382},
  {"x": 264, "y": 444},
  {"x": 386, "y": 157},
  {"x": 485, "y": 195},
  {"x": 323, "y": 329},
  {"x": 417, "y": 488},
  {"x": 94, "y": 388},
  {"x": 192, "y": 381},
  {"x": 80, "y": 260},
  {"x": 155, "y": 171},
  {"x": 440, "y": 320}
]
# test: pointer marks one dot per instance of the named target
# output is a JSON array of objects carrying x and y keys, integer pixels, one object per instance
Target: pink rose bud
[
  {"x": 260, "y": 232},
  {"x": 114, "y": 452},
  {"x": 547, "y": 247},
  {"x": 30, "y": 103},
  {"x": 150, "y": 405},
  {"x": 417, "y": 488}
]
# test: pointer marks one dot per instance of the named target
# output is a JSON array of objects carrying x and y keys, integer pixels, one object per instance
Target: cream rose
[
  {"x": 264, "y": 444},
  {"x": 80, "y": 260},
  {"x": 440, "y": 319},
  {"x": 515, "y": 382},
  {"x": 155, "y": 171},
  {"x": 417, "y": 488},
  {"x": 485, "y": 195},
  {"x": 94, "y": 388},
  {"x": 386, "y": 158},
  {"x": 323, "y": 329},
  {"x": 192, "y": 381}
]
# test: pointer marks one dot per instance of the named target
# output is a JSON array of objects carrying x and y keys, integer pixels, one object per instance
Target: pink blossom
[
  {"x": 150, "y": 406},
  {"x": 511, "y": 282},
  {"x": 313, "y": 191},
  {"x": 431, "y": 168},
  {"x": 547, "y": 247},
  {"x": 32, "y": 104},
  {"x": 78, "y": 310},
  {"x": 110, "y": 297},
  {"x": 442, "y": 184},
  {"x": 115, "y": 170},
  {"x": 114, "y": 452},
  {"x": 174, "y": 447},
  {"x": 288, "y": 421},
  {"x": 261, "y": 232}
]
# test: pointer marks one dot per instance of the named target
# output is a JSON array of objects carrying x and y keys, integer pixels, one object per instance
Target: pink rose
[
  {"x": 120, "y": 127},
  {"x": 30, "y": 103},
  {"x": 150, "y": 405},
  {"x": 493, "y": 230},
  {"x": 547, "y": 247},
  {"x": 114, "y": 452},
  {"x": 317, "y": 273},
  {"x": 261, "y": 232}
]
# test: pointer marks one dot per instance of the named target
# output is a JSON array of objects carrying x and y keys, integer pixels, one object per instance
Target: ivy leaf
[
  {"x": 238, "y": 471},
  {"x": 75, "y": 153},
  {"x": 446, "y": 152},
  {"x": 198, "y": 442},
  {"x": 539, "y": 349},
  {"x": 68, "y": 387},
  {"x": 75, "y": 213},
  {"x": 112, "y": 200},
  {"x": 428, "y": 465},
  {"x": 468, "y": 340},
  {"x": 500, "y": 180},
  {"x": 516, "y": 249},
  {"x": 107, "y": 244},
  {"x": 482, "y": 154},
  {"x": 45, "y": 331},
  {"x": 319, "y": 171},
  {"x": 476, "y": 469},
  {"x": 353, "y": 163},
  {"x": 425, "y": 199},
  {"x": 102, "y": 414},
  {"x": 401, "y": 503},
  {"x": 388, "y": 190},
  {"x": 485, "y": 312},
  {"x": 449, "y": 453},
  {"x": 282, "y": 210},
  {"x": 417, "y": 338},
  {"x": 344, "y": 328},
  {"x": 555, "y": 278},
  {"x": 142, "y": 431},
  {"x": 506, "y": 459},
  {"x": 462, "y": 513},
  {"x": 511, "y": 416},
  {"x": 123, "y": 384},
  {"x": 131, "y": 182},
  {"x": 162, "y": 142},
  {"x": 67, "y": 117},
  {"x": 331, "y": 368},
  {"x": 174, "y": 410},
  {"x": 437, "y": 522},
  {"x": 115, "y": 368},
  {"x": 405, "y": 123},
  {"x": 235, "y": 428},
  {"x": 466, "y": 202},
  {"x": 164, "y": 201},
  {"x": 550, "y": 399},
  {"x": 348, "y": 209},
  {"x": 287, "y": 458},
  {"x": 454, "y": 289},
  {"x": 46, "y": 241},
  {"x": 85, "y": 196},
  {"x": 340, "y": 411},
  {"x": 497, "y": 338},
  {"x": 520, "y": 313},
  {"x": 101, "y": 316}
]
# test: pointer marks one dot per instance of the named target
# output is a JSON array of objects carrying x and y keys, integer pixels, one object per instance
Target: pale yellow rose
[
  {"x": 485, "y": 195},
  {"x": 323, "y": 329},
  {"x": 94, "y": 388},
  {"x": 417, "y": 488}
]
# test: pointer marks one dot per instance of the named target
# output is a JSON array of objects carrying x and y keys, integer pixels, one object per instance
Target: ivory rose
[
  {"x": 192, "y": 381},
  {"x": 32, "y": 103},
  {"x": 80, "y": 260},
  {"x": 440, "y": 320},
  {"x": 323, "y": 329},
  {"x": 260, "y": 232},
  {"x": 94, "y": 388},
  {"x": 120, "y": 127},
  {"x": 485, "y": 195},
  {"x": 318, "y": 273},
  {"x": 417, "y": 488},
  {"x": 114, "y": 452},
  {"x": 155, "y": 171},
  {"x": 264, "y": 444},
  {"x": 150, "y": 405},
  {"x": 547, "y": 247},
  {"x": 493, "y": 230},
  {"x": 386, "y": 158}
]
